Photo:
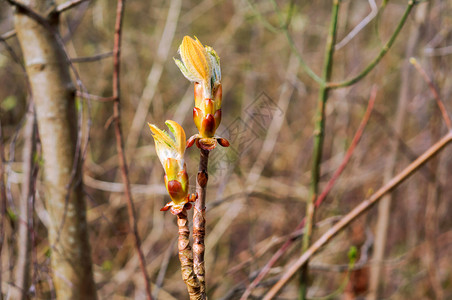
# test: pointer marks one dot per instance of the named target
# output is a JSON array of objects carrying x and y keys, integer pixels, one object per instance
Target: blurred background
[{"x": 258, "y": 187}]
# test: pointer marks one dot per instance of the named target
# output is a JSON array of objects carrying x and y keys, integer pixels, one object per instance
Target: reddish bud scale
[
  {"x": 208, "y": 126},
  {"x": 207, "y": 112},
  {"x": 218, "y": 95},
  {"x": 223, "y": 142},
  {"x": 217, "y": 118},
  {"x": 175, "y": 189}
]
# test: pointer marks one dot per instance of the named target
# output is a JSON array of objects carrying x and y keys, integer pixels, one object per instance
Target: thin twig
[
  {"x": 92, "y": 58},
  {"x": 22, "y": 275},
  {"x": 2, "y": 204},
  {"x": 59, "y": 9},
  {"x": 163, "y": 269},
  {"x": 293, "y": 236},
  {"x": 285, "y": 28},
  {"x": 199, "y": 221},
  {"x": 442, "y": 51},
  {"x": 154, "y": 76},
  {"x": 358, "y": 211},
  {"x": 351, "y": 148},
  {"x": 384, "y": 206},
  {"x": 434, "y": 91},
  {"x": 94, "y": 97},
  {"x": 361, "y": 25},
  {"x": 68, "y": 5},
  {"x": 120, "y": 145},
  {"x": 9, "y": 34},
  {"x": 32, "y": 14},
  {"x": 319, "y": 133},
  {"x": 383, "y": 51}
]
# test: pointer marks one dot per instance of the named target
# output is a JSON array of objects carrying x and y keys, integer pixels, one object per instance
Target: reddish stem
[
  {"x": 264, "y": 271},
  {"x": 434, "y": 91},
  {"x": 120, "y": 144}
]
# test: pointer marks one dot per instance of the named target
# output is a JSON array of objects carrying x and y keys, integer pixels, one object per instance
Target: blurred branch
[
  {"x": 68, "y": 5},
  {"x": 384, "y": 207},
  {"x": 2, "y": 204},
  {"x": 38, "y": 17},
  {"x": 285, "y": 28},
  {"x": 351, "y": 148},
  {"x": 433, "y": 192},
  {"x": 358, "y": 211},
  {"x": 9, "y": 34},
  {"x": 91, "y": 58},
  {"x": 271, "y": 138},
  {"x": 434, "y": 91},
  {"x": 264, "y": 271},
  {"x": 120, "y": 145},
  {"x": 373, "y": 13},
  {"x": 154, "y": 75},
  {"x": 116, "y": 187},
  {"x": 438, "y": 51},
  {"x": 262, "y": 19},
  {"x": 383, "y": 51},
  {"x": 22, "y": 276},
  {"x": 163, "y": 268},
  {"x": 25, "y": 9},
  {"x": 94, "y": 97},
  {"x": 14, "y": 56},
  {"x": 319, "y": 133}
]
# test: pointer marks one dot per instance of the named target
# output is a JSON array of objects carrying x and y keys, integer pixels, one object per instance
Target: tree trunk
[{"x": 54, "y": 98}]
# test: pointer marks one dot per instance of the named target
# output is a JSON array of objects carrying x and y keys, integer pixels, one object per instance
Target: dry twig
[
  {"x": 120, "y": 144},
  {"x": 264, "y": 271},
  {"x": 358, "y": 211}
]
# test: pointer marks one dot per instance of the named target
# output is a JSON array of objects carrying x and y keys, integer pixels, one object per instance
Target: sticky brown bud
[
  {"x": 175, "y": 189},
  {"x": 208, "y": 125}
]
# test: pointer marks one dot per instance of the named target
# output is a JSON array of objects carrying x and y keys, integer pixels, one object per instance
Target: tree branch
[
  {"x": 358, "y": 211},
  {"x": 120, "y": 144}
]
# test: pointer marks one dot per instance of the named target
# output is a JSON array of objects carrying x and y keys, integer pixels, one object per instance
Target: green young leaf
[{"x": 352, "y": 255}]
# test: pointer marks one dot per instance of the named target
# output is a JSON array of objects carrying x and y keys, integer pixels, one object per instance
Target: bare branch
[
  {"x": 91, "y": 58},
  {"x": 373, "y": 13},
  {"x": 358, "y": 211},
  {"x": 120, "y": 144},
  {"x": 264, "y": 271},
  {"x": 434, "y": 91},
  {"x": 68, "y": 5}
]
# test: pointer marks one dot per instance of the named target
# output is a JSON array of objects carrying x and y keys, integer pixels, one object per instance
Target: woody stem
[
  {"x": 186, "y": 258},
  {"x": 199, "y": 221}
]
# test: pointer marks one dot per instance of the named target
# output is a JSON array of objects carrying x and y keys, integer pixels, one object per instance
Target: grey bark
[{"x": 54, "y": 99}]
